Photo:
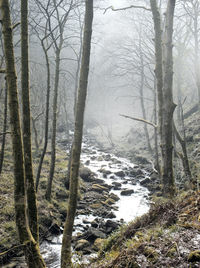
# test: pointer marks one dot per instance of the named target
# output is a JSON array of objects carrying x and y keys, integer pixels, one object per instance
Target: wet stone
[{"x": 127, "y": 192}]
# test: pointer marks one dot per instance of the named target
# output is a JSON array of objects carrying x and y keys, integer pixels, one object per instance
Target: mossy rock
[
  {"x": 194, "y": 256},
  {"x": 110, "y": 201},
  {"x": 99, "y": 188},
  {"x": 96, "y": 205}
]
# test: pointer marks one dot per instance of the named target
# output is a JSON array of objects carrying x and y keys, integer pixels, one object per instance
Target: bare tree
[
  {"x": 31, "y": 249},
  {"x": 78, "y": 132}
]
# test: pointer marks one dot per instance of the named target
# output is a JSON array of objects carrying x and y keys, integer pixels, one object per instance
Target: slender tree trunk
[
  {"x": 35, "y": 134},
  {"x": 4, "y": 128},
  {"x": 46, "y": 118},
  {"x": 158, "y": 57},
  {"x": 78, "y": 132},
  {"x": 168, "y": 104},
  {"x": 142, "y": 99},
  {"x": 184, "y": 157},
  {"x": 54, "y": 123},
  {"x": 156, "y": 133},
  {"x": 32, "y": 253},
  {"x": 30, "y": 185}
]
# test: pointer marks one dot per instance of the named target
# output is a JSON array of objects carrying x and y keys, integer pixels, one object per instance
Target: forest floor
[
  {"x": 167, "y": 236},
  {"x": 51, "y": 214}
]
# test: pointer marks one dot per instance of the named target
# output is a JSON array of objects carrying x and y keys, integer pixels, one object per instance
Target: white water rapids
[{"x": 129, "y": 207}]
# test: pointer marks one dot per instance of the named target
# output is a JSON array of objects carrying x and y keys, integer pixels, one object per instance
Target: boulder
[
  {"x": 120, "y": 173},
  {"x": 114, "y": 197},
  {"x": 145, "y": 181},
  {"x": 93, "y": 233},
  {"x": 99, "y": 188},
  {"x": 127, "y": 192},
  {"x": 98, "y": 243},
  {"x": 136, "y": 172},
  {"x": 82, "y": 244},
  {"x": 55, "y": 229},
  {"x": 85, "y": 174}
]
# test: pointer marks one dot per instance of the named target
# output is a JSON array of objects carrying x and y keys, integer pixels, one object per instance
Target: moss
[
  {"x": 96, "y": 205},
  {"x": 172, "y": 252},
  {"x": 151, "y": 253},
  {"x": 194, "y": 256}
]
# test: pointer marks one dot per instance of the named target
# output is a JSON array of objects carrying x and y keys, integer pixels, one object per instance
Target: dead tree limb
[
  {"x": 125, "y": 8},
  {"x": 139, "y": 119}
]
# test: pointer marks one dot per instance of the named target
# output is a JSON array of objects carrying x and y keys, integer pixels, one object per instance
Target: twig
[
  {"x": 140, "y": 120},
  {"x": 15, "y": 25},
  {"x": 10, "y": 250},
  {"x": 125, "y": 8},
  {"x": 3, "y": 133}
]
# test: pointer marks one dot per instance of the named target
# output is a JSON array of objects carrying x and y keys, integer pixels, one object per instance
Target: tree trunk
[
  {"x": 30, "y": 185},
  {"x": 31, "y": 251},
  {"x": 184, "y": 157},
  {"x": 164, "y": 76},
  {"x": 168, "y": 104},
  {"x": 158, "y": 57},
  {"x": 4, "y": 128},
  {"x": 142, "y": 99},
  {"x": 54, "y": 123},
  {"x": 46, "y": 118},
  {"x": 157, "y": 164},
  {"x": 78, "y": 132}
]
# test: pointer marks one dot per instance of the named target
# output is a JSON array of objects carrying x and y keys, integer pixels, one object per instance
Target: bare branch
[
  {"x": 125, "y": 8},
  {"x": 3, "y": 133},
  {"x": 15, "y": 25},
  {"x": 139, "y": 119}
]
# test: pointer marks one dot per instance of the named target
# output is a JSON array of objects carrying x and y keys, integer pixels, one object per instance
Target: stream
[{"x": 122, "y": 175}]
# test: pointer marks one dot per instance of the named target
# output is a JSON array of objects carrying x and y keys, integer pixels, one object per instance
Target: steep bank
[{"x": 167, "y": 236}]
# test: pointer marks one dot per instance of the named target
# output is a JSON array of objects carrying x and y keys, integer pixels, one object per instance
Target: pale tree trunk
[
  {"x": 164, "y": 76},
  {"x": 168, "y": 104},
  {"x": 158, "y": 58},
  {"x": 4, "y": 128},
  {"x": 142, "y": 99},
  {"x": 46, "y": 117},
  {"x": 54, "y": 123},
  {"x": 31, "y": 250},
  {"x": 78, "y": 132},
  {"x": 156, "y": 134},
  {"x": 30, "y": 185}
]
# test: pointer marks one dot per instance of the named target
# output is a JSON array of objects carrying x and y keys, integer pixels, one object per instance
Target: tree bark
[
  {"x": 46, "y": 117},
  {"x": 78, "y": 132},
  {"x": 158, "y": 58},
  {"x": 4, "y": 128},
  {"x": 164, "y": 76},
  {"x": 54, "y": 123},
  {"x": 142, "y": 99},
  {"x": 168, "y": 104},
  {"x": 31, "y": 251},
  {"x": 30, "y": 185}
]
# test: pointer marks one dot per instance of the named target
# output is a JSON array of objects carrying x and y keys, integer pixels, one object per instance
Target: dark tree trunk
[
  {"x": 4, "y": 128},
  {"x": 31, "y": 251},
  {"x": 30, "y": 185},
  {"x": 78, "y": 132}
]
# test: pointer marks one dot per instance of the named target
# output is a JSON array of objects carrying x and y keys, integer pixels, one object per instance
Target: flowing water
[{"x": 129, "y": 207}]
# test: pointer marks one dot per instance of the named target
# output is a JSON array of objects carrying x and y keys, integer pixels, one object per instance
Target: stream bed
[{"x": 123, "y": 180}]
